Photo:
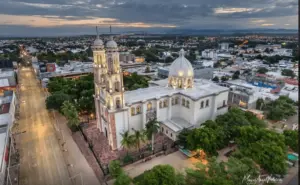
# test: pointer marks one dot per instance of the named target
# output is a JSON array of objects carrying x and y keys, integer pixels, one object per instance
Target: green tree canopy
[
  {"x": 291, "y": 139},
  {"x": 160, "y": 175},
  {"x": 56, "y": 100},
  {"x": 262, "y": 70}
]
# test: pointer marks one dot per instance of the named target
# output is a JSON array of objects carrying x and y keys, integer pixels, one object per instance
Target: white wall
[
  {"x": 121, "y": 122},
  {"x": 203, "y": 114},
  {"x": 136, "y": 121}
]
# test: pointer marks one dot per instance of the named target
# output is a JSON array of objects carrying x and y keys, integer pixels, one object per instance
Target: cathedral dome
[
  {"x": 98, "y": 42},
  {"x": 181, "y": 67},
  {"x": 111, "y": 43}
]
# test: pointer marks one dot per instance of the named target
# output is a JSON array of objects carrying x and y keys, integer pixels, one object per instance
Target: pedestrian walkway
[{"x": 77, "y": 162}]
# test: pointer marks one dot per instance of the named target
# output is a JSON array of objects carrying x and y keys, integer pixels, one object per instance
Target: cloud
[
  {"x": 185, "y": 14},
  {"x": 54, "y": 21},
  {"x": 267, "y": 24}
]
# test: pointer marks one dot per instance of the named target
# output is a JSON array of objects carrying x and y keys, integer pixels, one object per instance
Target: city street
[{"x": 41, "y": 157}]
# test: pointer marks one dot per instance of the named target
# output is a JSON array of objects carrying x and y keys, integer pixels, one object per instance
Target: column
[
  {"x": 144, "y": 112},
  {"x": 170, "y": 108},
  {"x": 157, "y": 108}
]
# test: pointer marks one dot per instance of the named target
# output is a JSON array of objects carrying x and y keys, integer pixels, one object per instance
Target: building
[
  {"x": 209, "y": 53},
  {"x": 178, "y": 102},
  {"x": 126, "y": 57},
  {"x": 8, "y": 80},
  {"x": 199, "y": 72},
  {"x": 224, "y": 46},
  {"x": 8, "y": 106}
]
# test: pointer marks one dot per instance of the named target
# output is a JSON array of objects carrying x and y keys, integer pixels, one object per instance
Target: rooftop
[
  {"x": 202, "y": 88},
  {"x": 177, "y": 124}
]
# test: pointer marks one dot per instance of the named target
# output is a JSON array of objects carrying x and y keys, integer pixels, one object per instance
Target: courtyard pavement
[{"x": 177, "y": 159}]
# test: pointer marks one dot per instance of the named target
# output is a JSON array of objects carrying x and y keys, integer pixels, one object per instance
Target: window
[
  {"x": 162, "y": 129},
  {"x": 224, "y": 103},
  {"x": 165, "y": 103},
  {"x": 202, "y": 105},
  {"x": 187, "y": 104},
  {"x": 160, "y": 104},
  {"x": 183, "y": 101},
  {"x": 171, "y": 135},
  {"x": 138, "y": 110},
  {"x": 173, "y": 101},
  {"x": 167, "y": 131},
  {"x": 118, "y": 103},
  {"x": 132, "y": 111},
  {"x": 176, "y": 100},
  {"x": 149, "y": 106},
  {"x": 207, "y": 103}
]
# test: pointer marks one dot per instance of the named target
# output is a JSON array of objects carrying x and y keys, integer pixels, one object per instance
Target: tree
[
  {"x": 127, "y": 140},
  {"x": 123, "y": 179},
  {"x": 260, "y": 104},
  {"x": 138, "y": 137},
  {"x": 213, "y": 173},
  {"x": 56, "y": 100},
  {"x": 115, "y": 168},
  {"x": 160, "y": 175},
  {"x": 236, "y": 75},
  {"x": 182, "y": 137},
  {"x": 70, "y": 112},
  {"x": 215, "y": 79},
  {"x": 262, "y": 70},
  {"x": 224, "y": 78},
  {"x": 168, "y": 59},
  {"x": 281, "y": 108},
  {"x": 152, "y": 127},
  {"x": 264, "y": 146},
  {"x": 288, "y": 72},
  {"x": 203, "y": 138},
  {"x": 147, "y": 69},
  {"x": 291, "y": 139}
]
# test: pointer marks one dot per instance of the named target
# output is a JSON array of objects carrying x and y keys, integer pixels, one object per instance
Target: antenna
[{"x": 97, "y": 31}]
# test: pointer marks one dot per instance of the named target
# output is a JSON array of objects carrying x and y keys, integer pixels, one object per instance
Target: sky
[{"x": 63, "y": 17}]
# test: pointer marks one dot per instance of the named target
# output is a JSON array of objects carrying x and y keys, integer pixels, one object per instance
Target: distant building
[
  {"x": 224, "y": 46},
  {"x": 209, "y": 53},
  {"x": 204, "y": 73},
  {"x": 7, "y": 80},
  {"x": 126, "y": 57}
]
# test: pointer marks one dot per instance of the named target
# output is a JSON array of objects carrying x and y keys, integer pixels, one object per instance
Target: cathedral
[{"x": 178, "y": 102}]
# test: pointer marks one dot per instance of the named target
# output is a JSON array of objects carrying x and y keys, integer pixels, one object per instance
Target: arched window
[
  {"x": 149, "y": 106},
  {"x": 187, "y": 104},
  {"x": 202, "y": 105},
  {"x": 176, "y": 100},
  {"x": 189, "y": 83},
  {"x": 207, "y": 103},
  {"x": 118, "y": 103},
  {"x": 183, "y": 102},
  {"x": 138, "y": 110},
  {"x": 160, "y": 104},
  {"x": 132, "y": 111},
  {"x": 117, "y": 86},
  {"x": 165, "y": 103}
]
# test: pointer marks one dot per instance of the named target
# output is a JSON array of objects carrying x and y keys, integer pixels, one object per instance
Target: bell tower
[
  {"x": 100, "y": 71},
  {"x": 114, "y": 83}
]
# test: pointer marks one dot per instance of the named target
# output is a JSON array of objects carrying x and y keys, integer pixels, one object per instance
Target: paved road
[{"x": 41, "y": 159}]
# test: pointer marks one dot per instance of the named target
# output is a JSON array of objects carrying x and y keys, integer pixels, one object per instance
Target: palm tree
[
  {"x": 70, "y": 112},
  {"x": 127, "y": 140},
  {"x": 139, "y": 136},
  {"x": 152, "y": 127}
]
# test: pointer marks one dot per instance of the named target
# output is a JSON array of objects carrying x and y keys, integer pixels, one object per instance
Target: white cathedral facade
[{"x": 178, "y": 102}]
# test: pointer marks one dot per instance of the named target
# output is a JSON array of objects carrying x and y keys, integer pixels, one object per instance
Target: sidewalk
[{"x": 75, "y": 159}]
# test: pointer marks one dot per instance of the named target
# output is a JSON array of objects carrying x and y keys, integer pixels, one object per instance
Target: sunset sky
[{"x": 59, "y": 17}]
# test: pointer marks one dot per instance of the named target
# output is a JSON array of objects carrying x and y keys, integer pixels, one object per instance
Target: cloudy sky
[{"x": 61, "y": 17}]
